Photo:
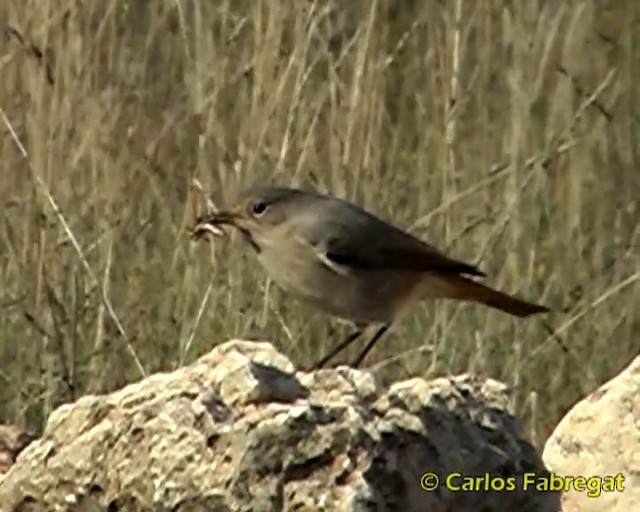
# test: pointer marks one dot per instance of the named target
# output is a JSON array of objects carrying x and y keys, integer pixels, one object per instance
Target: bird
[{"x": 348, "y": 262}]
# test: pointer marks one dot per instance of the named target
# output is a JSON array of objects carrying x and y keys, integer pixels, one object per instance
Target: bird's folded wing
[
  {"x": 314, "y": 247},
  {"x": 397, "y": 250}
]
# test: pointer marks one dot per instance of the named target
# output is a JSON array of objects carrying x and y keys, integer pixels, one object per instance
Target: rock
[
  {"x": 240, "y": 430},
  {"x": 600, "y": 437},
  {"x": 12, "y": 441}
]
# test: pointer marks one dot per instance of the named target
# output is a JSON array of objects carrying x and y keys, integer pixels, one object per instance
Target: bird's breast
[{"x": 363, "y": 296}]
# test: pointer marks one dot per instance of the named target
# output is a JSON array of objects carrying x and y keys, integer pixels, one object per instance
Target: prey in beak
[
  {"x": 211, "y": 224},
  {"x": 214, "y": 223}
]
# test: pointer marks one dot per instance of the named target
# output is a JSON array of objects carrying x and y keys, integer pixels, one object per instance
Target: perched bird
[{"x": 349, "y": 263}]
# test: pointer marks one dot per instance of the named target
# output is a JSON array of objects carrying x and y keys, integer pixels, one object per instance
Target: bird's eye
[{"x": 258, "y": 208}]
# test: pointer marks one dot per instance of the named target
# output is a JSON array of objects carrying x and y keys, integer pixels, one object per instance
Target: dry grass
[{"x": 504, "y": 132}]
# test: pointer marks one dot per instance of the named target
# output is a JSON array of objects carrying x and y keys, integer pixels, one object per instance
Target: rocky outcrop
[
  {"x": 241, "y": 430},
  {"x": 12, "y": 441},
  {"x": 600, "y": 438}
]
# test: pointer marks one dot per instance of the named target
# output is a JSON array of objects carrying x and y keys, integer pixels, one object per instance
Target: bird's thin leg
[
  {"x": 352, "y": 337},
  {"x": 370, "y": 345}
]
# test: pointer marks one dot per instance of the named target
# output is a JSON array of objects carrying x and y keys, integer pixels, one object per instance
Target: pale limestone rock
[
  {"x": 601, "y": 436},
  {"x": 240, "y": 430}
]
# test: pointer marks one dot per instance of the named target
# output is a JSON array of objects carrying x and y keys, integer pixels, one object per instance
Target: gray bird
[{"x": 349, "y": 263}]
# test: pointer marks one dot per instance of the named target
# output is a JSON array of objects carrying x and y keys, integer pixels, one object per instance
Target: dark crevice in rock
[
  {"x": 212, "y": 440},
  {"x": 305, "y": 469},
  {"x": 215, "y": 406}
]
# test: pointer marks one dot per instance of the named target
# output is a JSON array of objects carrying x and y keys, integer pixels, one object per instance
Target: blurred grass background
[{"x": 505, "y": 133}]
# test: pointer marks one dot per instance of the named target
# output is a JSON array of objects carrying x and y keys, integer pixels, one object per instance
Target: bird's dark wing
[{"x": 368, "y": 243}]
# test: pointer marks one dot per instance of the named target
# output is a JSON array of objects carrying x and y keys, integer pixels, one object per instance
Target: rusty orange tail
[{"x": 467, "y": 289}]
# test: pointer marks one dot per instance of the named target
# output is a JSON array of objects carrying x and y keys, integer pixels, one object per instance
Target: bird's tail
[{"x": 463, "y": 288}]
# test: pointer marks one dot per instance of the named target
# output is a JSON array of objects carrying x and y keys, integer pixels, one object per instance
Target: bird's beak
[
  {"x": 219, "y": 218},
  {"x": 211, "y": 222}
]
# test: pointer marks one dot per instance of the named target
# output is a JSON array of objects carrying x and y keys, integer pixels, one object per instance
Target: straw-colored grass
[{"x": 503, "y": 132}]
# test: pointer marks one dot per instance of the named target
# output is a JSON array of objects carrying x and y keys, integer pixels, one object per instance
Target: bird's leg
[
  {"x": 352, "y": 337},
  {"x": 370, "y": 345}
]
